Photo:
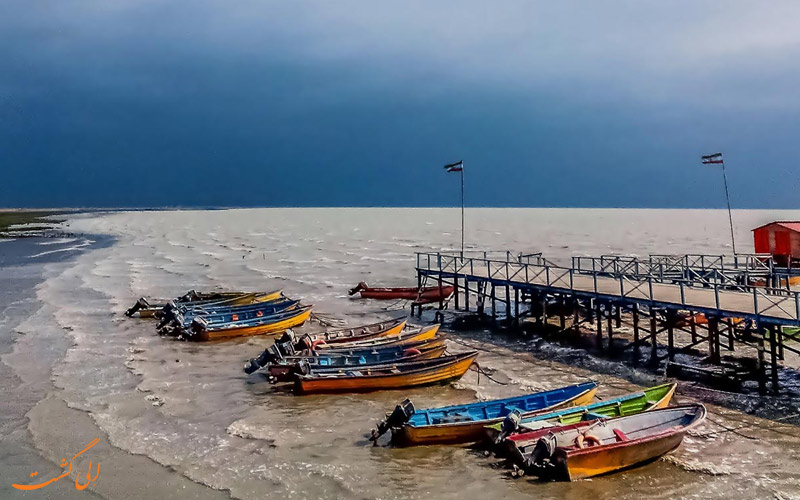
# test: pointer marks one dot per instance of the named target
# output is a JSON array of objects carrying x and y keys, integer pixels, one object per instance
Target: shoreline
[{"x": 38, "y": 426}]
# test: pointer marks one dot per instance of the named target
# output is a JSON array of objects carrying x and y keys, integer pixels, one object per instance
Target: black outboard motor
[
  {"x": 510, "y": 426},
  {"x": 261, "y": 361},
  {"x": 140, "y": 304},
  {"x": 287, "y": 344},
  {"x": 400, "y": 416},
  {"x": 539, "y": 459},
  {"x": 197, "y": 327},
  {"x": 167, "y": 314}
]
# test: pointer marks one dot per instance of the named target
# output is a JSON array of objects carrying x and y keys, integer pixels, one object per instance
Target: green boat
[{"x": 620, "y": 406}]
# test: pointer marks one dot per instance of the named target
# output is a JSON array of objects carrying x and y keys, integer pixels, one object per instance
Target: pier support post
[
  {"x": 760, "y": 368},
  {"x": 508, "y": 305},
  {"x": 576, "y": 314},
  {"x": 494, "y": 303},
  {"x": 635, "y": 314},
  {"x": 481, "y": 299},
  {"x": 773, "y": 358},
  {"x": 456, "y": 303},
  {"x": 670, "y": 317},
  {"x": 562, "y": 316},
  {"x": 653, "y": 340},
  {"x": 693, "y": 327},
  {"x": 731, "y": 326},
  {"x": 609, "y": 324},
  {"x": 599, "y": 314},
  {"x": 516, "y": 306},
  {"x": 713, "y": 339},
  {"x": 466, "y": 294}
]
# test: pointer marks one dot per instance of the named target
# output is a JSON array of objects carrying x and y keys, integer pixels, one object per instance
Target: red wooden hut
[{"x": 781, "y": 239}]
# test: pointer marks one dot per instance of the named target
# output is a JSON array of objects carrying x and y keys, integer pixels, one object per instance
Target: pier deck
[{"x": 745, "y": 314}]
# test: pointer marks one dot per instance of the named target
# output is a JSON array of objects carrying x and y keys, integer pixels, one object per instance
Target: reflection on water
[{"x": 191, "y": 407}]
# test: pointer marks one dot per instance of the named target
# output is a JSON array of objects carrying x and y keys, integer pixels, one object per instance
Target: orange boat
[
  {"x": 596, "y": 447},
  {"x": 395, "y": 376},
  {"x": 421, "y": 295}
]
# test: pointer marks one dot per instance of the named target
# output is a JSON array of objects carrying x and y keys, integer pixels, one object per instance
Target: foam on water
[{"x": 190, "y": 407}]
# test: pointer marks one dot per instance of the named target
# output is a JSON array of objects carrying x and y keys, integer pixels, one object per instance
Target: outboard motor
[
  {"x": 261, "y": 361},
  {"x": 400, "y": 416},
  {"x": 285, "y": 345},
  {"x": 167, "y": 314},
  {"x": 538, "y": 459},
  {"x": 510, "y": 425},
  {"x": 198, "y": 326},
  {"x": 140, "y": 304},
  {"x": 190, "y": 296}
]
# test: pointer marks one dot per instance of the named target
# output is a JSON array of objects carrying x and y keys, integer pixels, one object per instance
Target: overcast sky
[{"x": 255, "y": 102}]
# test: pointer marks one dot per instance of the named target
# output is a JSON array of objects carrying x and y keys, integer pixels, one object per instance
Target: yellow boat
[
  {"x": 396, "y": 376},
  {"x": 278, "y": 323}
]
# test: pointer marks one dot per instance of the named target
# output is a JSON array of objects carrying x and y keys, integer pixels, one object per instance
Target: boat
[
  {"x": 592, "y": 448},
  {"x": 426, "y": 333},
  {"x": 278, "y": 352},
  {"x": 275, "y": 323},
  {"x": 146, "y": 309},
  {"x": 420, "y": 295},
  {"x": 212, "y": 318},
  {"x": 396, "y": 376},
  {"x": 515, "y": 432},
  {"x": 365, "y": 332},
  {"x": 284, "y": 370},
  {"x": 463, "y": 424}
]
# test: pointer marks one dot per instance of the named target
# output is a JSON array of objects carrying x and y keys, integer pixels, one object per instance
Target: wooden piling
[
  {"x": 635, "y": 314},
  {"x": 599, "y": 313},
  {"x": 653, "y": 341},
  {"x": 760, "y": 363},
  {"x": 773, "y": 358}
]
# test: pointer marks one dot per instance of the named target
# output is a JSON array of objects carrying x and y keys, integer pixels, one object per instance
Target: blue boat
[
  {"x": 462, "y": 424},
  {"x": 243, "y": 313}
]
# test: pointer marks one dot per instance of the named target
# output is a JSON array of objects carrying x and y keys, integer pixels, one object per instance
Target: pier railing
[{"x": 775, "y": 305}]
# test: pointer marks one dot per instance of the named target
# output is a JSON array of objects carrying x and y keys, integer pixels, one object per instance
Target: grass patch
[{"x": 12, "y": 218}]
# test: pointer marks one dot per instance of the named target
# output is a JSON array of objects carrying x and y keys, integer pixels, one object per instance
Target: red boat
[{"x": 421, "y": 295}]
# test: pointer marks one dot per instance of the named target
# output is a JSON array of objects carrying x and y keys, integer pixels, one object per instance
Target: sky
[{"x": 273, "y": 103}]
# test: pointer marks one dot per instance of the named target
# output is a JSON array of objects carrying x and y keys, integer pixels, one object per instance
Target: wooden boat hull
[
  {"x": 286, "y": 372},
  {"x": 366, "y": 332},
  {"x": 623, "y": 442},
  {"x": 264, "y": 329},
  {"x": 427, "y": 333},
  {"x": 235, "y": 299},
  {"x": 653, "y": 398},
  {"x": 438, "y": 374},
  {"x": 473, "y": 431},
  {"x": 428, "y": 294}
]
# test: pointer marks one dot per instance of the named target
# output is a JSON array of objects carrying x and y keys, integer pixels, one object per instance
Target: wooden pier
[{"x": 715, "y": 308}]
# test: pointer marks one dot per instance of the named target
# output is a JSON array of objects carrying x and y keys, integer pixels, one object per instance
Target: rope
[
  {"x": 745, "y": 426},
  {"x": 480, "y": 371}
]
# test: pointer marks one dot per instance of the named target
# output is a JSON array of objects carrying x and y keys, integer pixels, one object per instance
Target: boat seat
[
  {"x": 452, "y": 419},
  {"x": 620, "y": 435}
]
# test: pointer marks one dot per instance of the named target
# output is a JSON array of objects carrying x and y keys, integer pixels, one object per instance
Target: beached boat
[
  {"x": 213, "y": 318},
  {"x": 426, "y": 333},
  {"x": 421, "y": 295},
  {"x": 463, "y": 424},
  {"x": 276, "y": 323},
  {"x": 591, "y": 448},
  {"x": 147, "y": 308},
  {"x": 396, "y": 376},
  {"x": 284, "y": 370},
  {"x": 513, "y": 432},
  {"x": 277, "y": 352},
  {"x": 358, "y": 333}
]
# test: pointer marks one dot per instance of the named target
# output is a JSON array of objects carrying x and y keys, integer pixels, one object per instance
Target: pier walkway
[{"x": 715, "y": 306}]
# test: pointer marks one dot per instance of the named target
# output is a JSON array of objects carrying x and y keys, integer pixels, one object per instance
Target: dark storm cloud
[{"x": 359, "y": 103}]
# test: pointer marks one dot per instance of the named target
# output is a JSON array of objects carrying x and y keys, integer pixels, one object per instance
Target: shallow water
[{"x": 190, "y": 406}]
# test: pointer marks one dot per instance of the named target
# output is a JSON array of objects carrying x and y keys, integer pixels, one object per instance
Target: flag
[
  {"x": 710, "y": 159},
  {"x": 455, "y": 167}
]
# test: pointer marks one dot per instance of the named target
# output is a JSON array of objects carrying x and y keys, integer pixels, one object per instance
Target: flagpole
[
  {"x": 728, "y": 200},
  {"x": 462, "y": 210}
]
